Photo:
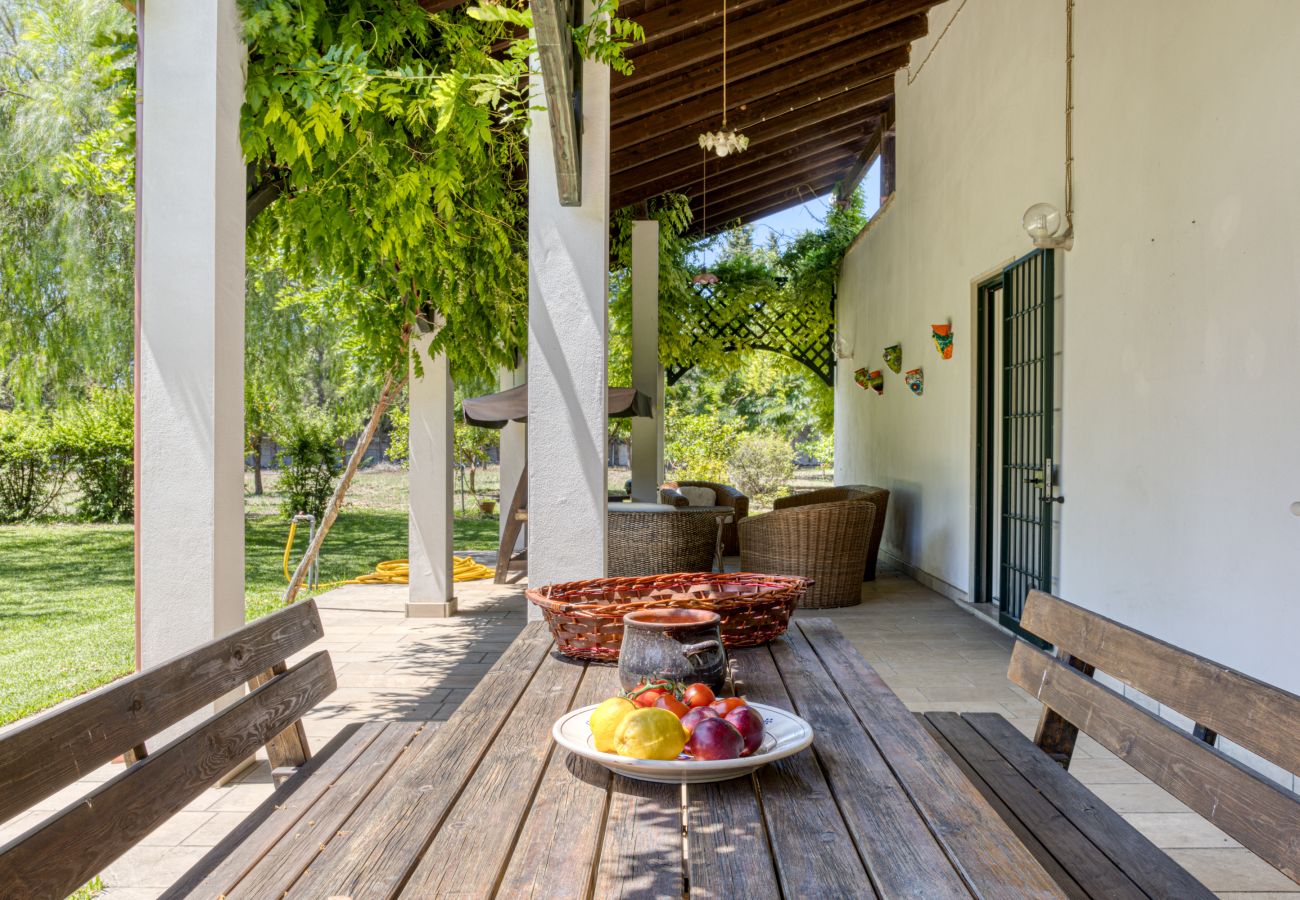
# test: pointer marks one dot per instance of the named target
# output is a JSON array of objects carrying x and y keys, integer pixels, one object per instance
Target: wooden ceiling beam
[
  {"x": 743, "y": 31},
  {"x": 683, "y": 18},
  {"x": 870, "y": 153},
  {"x": 763, "y": 96},
  {"x": 690, "y": 181},
  {"x": 555, "y": 53},
  {"x": 747, "y": 190},
  {"x": 855, "y": 121},
  {"x": 823, "y": 48},
  {"x": 816, "y": 101},
  {"x": 748, "y": 212}
]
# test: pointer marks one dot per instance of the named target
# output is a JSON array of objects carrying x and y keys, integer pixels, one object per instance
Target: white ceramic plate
[{"x": 784, "y": 734}]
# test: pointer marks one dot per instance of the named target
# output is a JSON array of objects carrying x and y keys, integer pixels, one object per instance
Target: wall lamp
[{"x": 1042, "y": 222}]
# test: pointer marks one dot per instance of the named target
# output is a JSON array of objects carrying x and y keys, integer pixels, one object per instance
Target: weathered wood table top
[{"x": 487, "y": 805}]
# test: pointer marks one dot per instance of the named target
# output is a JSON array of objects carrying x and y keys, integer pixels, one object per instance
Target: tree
[{"x": 65, "y": 201}]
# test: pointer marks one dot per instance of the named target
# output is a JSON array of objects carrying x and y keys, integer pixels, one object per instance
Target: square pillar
[
  {"x": 513, "y": 457},
  {"x": 568, "y": 303},
  {"x": 190, "y": 322},
  {"x": 432, "y": 589},
  {"x": 647, "y": 373}
]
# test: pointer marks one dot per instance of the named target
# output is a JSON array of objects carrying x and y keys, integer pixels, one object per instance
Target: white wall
[{"x": 1181, "y": 424}]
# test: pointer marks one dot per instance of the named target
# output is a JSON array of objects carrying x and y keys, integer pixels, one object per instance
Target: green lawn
[{"x": 67, "y": 601}]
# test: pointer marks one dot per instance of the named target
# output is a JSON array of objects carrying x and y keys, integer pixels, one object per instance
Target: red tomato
[
  {"x": 673, "y": 705},
  {"x": 698, "y": 695},
  {"x": 648, "y": 698},
  {"x": 727, "y": 704}
]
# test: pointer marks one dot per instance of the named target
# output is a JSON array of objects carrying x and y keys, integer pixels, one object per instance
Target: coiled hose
[{"x": 392, "y": 571}]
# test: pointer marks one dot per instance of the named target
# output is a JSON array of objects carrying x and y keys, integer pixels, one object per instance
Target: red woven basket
[{"x": 586, "y": 617}]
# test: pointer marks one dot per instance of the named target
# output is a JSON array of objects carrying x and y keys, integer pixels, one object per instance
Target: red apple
[
  {"x": 715, "y": 738},
  {"x": 750, "y": 726}
]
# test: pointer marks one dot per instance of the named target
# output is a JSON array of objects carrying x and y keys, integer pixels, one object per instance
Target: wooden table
[{"x": 486, "y": 805}]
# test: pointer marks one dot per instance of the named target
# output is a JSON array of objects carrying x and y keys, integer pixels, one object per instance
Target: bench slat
[
  {"x": 56, "y": 857},
  {"x": 1260, "y": 717},
  {"x": 49, "y": 752},
  {"x": 1149, "y": 867},
  {"x": 1259, "y": 814}
]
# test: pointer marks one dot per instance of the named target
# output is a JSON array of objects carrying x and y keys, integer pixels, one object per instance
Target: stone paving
[{"x": 933, "y": 653}]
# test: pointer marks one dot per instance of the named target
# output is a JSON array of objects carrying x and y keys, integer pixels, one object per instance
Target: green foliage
[
  {"x": 821, "y": 448},
  {"x": 32, "y": 466},
  {"x": 697, "y": 447},
  {"x": 399, "y": 433},
  {"x": 98, "y": 435},
  {"x": 66, "y": 230},
  {"x": 310, "y": 460},
  {"x": 760, "y": 466}
]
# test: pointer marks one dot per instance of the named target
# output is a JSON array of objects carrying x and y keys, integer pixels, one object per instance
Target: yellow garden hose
[{"x": 393, "y": 571}]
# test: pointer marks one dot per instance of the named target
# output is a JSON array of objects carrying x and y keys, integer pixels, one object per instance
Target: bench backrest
[
  {"x": 49, "y": 752},
  {"x": 1263, "y": 719}
]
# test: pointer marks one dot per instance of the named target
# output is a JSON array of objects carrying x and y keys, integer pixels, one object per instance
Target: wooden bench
[
  {"x": 1088, "y": 847},
  {"x": 50, "y": 752}
]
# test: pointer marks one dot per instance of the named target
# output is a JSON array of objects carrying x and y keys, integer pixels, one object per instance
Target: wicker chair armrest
[{"x": 672, "y": 497}]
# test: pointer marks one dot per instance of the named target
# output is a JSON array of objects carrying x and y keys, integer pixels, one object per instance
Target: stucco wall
[{"x": 1180, "y": 378}]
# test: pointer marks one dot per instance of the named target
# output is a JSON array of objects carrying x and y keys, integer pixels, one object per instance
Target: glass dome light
[{"x": 1042, "y": 221}]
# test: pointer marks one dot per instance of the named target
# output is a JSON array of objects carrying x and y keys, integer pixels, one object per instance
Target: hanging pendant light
[{"x": 724, "y": 142}]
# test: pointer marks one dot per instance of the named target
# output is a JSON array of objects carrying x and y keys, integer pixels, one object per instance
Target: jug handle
[{"x": 693, "y": 650}]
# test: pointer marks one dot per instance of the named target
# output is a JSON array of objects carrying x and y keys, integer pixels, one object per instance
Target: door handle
[{"x": 1048, "y": 481}]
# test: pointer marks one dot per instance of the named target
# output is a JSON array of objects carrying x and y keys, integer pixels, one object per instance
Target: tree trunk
[
  {"x": 257, "y": 466},
  {"x": 392, "y": 387}
]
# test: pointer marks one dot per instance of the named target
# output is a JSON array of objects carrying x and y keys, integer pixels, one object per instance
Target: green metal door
[{"x": 1027, "y": 468}]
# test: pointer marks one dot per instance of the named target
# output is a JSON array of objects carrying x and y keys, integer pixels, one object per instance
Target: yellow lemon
[
  {"x": 651, "y": 733},
  {"x": 605, "y": 720}
]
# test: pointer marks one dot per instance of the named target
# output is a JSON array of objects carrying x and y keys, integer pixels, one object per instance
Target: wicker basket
[{"x": 586, "y": 617}]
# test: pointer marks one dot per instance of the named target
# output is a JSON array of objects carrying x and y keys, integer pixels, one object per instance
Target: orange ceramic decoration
[{"x": 943, "y": 339}]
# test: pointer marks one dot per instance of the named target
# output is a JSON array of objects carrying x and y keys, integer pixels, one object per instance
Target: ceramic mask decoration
[
  {"x": 863, "y": 378},
  {"x": 943, "y": 339},
  {"x": 876, "y": 381},
  {"x": 916, "y": 381},
  {"x": 894, "y": 358}
]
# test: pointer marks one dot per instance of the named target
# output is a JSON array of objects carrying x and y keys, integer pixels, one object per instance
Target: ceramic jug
[{"x": 682, "y": 645}]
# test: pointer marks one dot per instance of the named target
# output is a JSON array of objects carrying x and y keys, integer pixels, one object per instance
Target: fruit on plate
[
  {"x": 605, "y": 720},
  {"x": 673, "y": 705},
  {"x": 698, "y": 695},
  {"x": 647, "y": 697},
  {"x": 696, "y": 716},
  {"x": 750, "y": 725},
  {"x": 715, "y": 738},
  {"x": 650, "y": 733},
  {"x": 724, "y": 705}
]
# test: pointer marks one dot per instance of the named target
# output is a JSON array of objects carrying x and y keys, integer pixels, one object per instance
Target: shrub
[
  {"x": 32, "y": 470},
  {"x": 99, "y": 435},
  {"x": 696, "y": 447},
  {"x": 310, "y": 460},
  {"x": 821, "y": 449},
  {"x": 399, "y": 433},
  {"x": 761, "y": 466}
]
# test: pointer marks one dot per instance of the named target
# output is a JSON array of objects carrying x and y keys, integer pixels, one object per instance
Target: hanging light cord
[
  {"x": 724, "y": 65},
  {"x": 1069, "y": 114}
]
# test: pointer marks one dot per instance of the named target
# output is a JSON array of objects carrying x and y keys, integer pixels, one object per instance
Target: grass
[{"x": 67, "y": 601}]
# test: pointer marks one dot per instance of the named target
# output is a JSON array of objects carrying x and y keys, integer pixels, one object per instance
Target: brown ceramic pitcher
[{"x": 676, "y": 644}]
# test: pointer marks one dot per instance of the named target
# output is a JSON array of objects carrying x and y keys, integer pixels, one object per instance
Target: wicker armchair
[
  {"x": 657, "y": 543},
  {"x": 725, "y": 495},
  {"x": 877, "y": 496},
  {"x": 826, "y": 542}
]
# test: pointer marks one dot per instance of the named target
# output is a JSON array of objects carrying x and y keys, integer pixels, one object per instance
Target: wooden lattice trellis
[{"x": 759, "y": 327}]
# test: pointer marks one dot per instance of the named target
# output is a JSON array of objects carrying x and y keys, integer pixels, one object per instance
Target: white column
[
  {"x": 568, "y": 300},
  {"x": 647, "y": 374},
  {"x": 513, "y": 456},
  {"x": 429, "y": 533},
  {"x": 190, "y": 503}
]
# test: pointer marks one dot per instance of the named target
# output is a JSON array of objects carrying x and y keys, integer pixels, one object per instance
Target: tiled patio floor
[{"x": 933, "y": 654}]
